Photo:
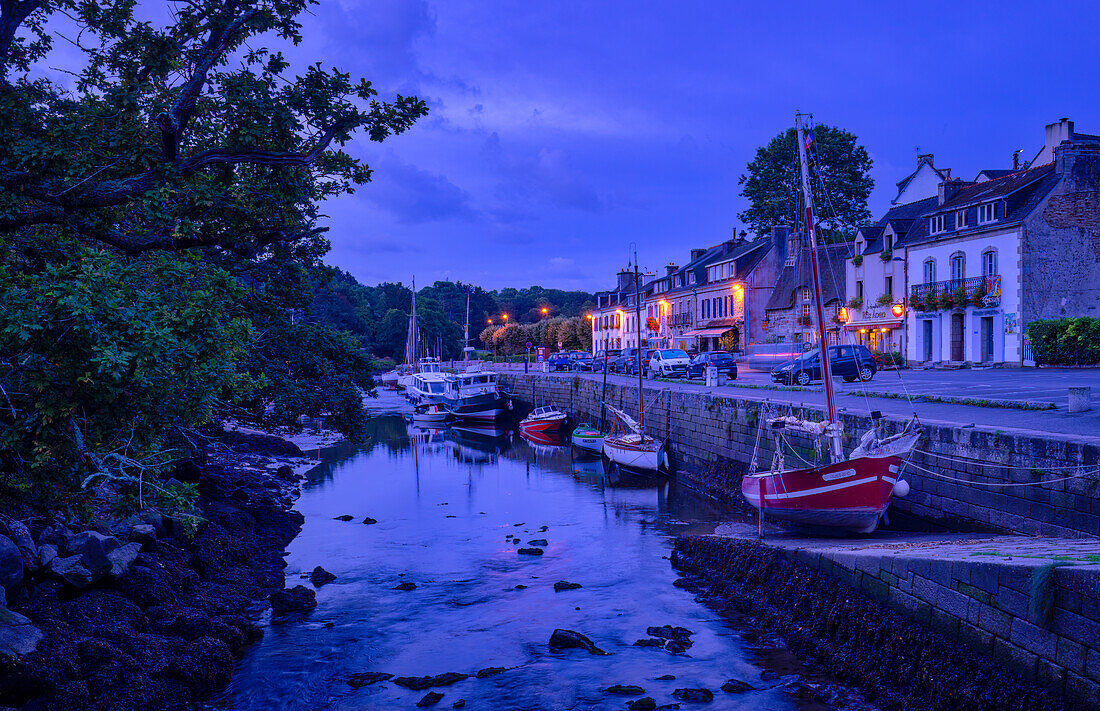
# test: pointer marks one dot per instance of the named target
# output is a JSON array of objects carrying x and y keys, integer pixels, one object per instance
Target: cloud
[
  {"x": 542, "y": 174},
  {"x": 415, "y": 196}
]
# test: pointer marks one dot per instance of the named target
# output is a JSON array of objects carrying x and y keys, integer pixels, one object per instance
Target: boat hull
[
  {"x": 552, "y": 424},
  {"x": 479, "y": 408},
  {"x": 642, "y": 456},
  {"x": 848, "y": 496},
  {"x": 588, "y": 438}
]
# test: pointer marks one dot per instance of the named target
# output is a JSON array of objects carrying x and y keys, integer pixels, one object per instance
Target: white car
[{"x": 668, "y": 363}]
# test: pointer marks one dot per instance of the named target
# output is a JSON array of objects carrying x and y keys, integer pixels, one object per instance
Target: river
[{"x": 447, "y": 503}]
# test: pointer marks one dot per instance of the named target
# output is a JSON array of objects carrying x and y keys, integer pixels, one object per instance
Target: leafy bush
[
  {"x": 855, "y": 302},
  {"x": 886, "y": 255},
  {"x": 885, "y": 299},
  {"x": 1065, "y": 341},
  {"x": 857, "y": 259}
]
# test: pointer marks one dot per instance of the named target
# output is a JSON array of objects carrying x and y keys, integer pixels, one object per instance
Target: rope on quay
[
  {"x": 1089, "y": 474},
  {"x": 960, "y": 460}
]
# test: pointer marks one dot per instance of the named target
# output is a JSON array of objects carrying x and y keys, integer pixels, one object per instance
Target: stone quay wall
[{"x": 712, "y": 437}]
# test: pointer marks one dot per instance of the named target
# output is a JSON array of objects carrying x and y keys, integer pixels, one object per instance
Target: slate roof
[
  {"x": 830, "y": 259},
  {"x": 904, "y": 182},
  {"x": 747, "y": 255},
  {"x": 995, "y": 172},
  {"x": 903, "y": 218},
  {"x": 996, "y": 188}
]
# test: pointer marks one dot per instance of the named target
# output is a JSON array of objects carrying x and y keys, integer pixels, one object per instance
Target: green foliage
[
  {"x": 773, "y": 184},
  {"x": 1065, "y": 341},
  {"x": 885, "y": 256}
]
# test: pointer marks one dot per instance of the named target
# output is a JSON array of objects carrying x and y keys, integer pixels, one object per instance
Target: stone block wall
[{"x": 957, "y": 479}]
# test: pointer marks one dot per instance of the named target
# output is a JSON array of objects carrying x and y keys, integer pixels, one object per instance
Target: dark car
[
  {"x": 848, "y": 362},
  {"x": 559, "y": 361},
  {"x": 605, "y": 358},
  {"x": 721, "y": 360},
  {"x": 580, "y": 360},
  {"x": 625, "y": 361},
  {"x": 631, "y": 367}
]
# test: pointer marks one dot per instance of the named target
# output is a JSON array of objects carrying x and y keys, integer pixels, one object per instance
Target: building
[
  {"x": 614, "y": 323},
  {"x": 1001, "y": 252},
  {"x": 790, "y": 312}
]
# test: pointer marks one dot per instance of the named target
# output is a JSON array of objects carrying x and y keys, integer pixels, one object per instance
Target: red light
[{"x": 898, "y": 310}]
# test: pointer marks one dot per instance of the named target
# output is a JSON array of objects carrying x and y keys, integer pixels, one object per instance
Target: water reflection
[{"x": 453, "y": 505}]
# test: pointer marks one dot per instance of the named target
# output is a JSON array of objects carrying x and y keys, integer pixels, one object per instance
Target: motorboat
[
  {"x": 427, "y": 387},
  {"x": 588, "y": 438},
  {"x": 543, "y": 419},
  {"x": 475, "y": 395}
]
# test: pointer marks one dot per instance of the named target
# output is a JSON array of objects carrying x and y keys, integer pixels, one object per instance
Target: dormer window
[
  {"x": 987, "y": 212},
  {"x": 962, "y": 219},
  {"x": 937, "y": 223}
]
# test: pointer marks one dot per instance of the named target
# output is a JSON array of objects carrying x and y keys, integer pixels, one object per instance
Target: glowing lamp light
[
  {"x": 544, "y": 309},
  {"x": 843, "y": 315},
  {"x": 664, "y": 303},
  {"x": 505, "y": 317},
  {"x": 490, "y": 322},
  {"x": 863, "y": 330},
  {"x": 588, "y": 316},
  {"x": 898, "y": 310}
]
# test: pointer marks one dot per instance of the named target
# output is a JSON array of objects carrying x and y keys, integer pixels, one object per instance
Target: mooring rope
[
  {"x": 960, "y": 460},
  {"x": 1006, "y": 484}
]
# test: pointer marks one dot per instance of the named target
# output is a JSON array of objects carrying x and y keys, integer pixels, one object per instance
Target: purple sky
[{"x": 560, "y": 132}]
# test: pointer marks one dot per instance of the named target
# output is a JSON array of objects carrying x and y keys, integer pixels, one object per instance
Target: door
[
  {"x": 958, "y": 323},
  {"x": 927, "y": 340},
  {"x": 987, "y": 339}
]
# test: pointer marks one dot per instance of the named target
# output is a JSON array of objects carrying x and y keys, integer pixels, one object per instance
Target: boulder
[
  {"x": 529, "y": 551},
  {"x": 366, "y": 678},
  {"x": 343, "y": 517},
  {"x": 675, "y": 647},
  {"x": 368, "y": 520},
  {"x": 646, "y": 703},
  {"x": 71, "y": 571},
  {"x": 568, "y": 639},
  {"x": 285, "y": 473},
  {"x": 93, "y": 548},
  {"x": 625, "y": 690},
  {"x": 406, "y": 586},
  {"x": 665, "y": 677},
  {"x": 144, "y": 534},
  {"x": 736, "y": 686},
  {"x": 419, "y": 683},
  {"x": 296, "y": 599},
  {"x": 649, "y": 642},
  {"x": 18, "y": 637},
  {"x": 156, "y": 520},
  {"x": 539, "y": 542},
  {"x": 430, "y": 699},
  {"x": 20, "y": 535},
  {"x": 461, "y": 703},
  {"x": 46, "y": 553},
  {"x": 490, "y": 671},
  {"x": 320, "y": 576},
  {"x": 122, "y": 558},
  {"x": 697, "y": 696},
  {"x": 11, "y": 564},
  {"x": 563, "y": 585}
]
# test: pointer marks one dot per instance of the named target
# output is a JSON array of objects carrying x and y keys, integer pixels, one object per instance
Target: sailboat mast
[
  {"x": 466, "y": 333},
  {"x": 811, "y": 237},
  {"x": 412, "y": 337},
  {"x": 638, "y": 350}
]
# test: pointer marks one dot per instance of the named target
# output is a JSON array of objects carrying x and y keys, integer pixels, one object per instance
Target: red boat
[
  {"x": 543, "y": 419},
  {"x": 842, "y": 493},
  {"x": 543, "y": 440}
]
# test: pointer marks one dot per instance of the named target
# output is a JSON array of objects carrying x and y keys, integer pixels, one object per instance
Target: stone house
[{"x": 789, "y": 312}]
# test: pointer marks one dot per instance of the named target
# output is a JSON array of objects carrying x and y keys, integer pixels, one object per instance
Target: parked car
[
  {"x": 624, "y": 361},
  {"x": 668, "y": 363},
  {"x": 721, "y": 360},
  {"x": 767, "y": 356},
  {"x": 632, "y": 365},
  {"x": 605, "y": 358},
  {"x": 849, "y": 362},
  {"x": 580, "y": 360},
  {"x": 559, "y": 361}
]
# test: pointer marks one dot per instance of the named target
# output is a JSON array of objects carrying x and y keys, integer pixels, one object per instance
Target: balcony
[
  {"x": 989, "y": 287},
  {"x": 680, "y": 320}
]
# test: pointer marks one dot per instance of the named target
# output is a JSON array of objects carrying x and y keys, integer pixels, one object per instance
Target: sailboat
[
  {"x": 475, "y": 393},
  {"x": 851, "y": 492},
  {"x": 627, "y": 444}
]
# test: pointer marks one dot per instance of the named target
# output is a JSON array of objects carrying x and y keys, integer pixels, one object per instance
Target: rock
[
  {"x": 624, "y": 690},
  {"x": 71, "y": 571},
  {"x": 46, "y": 553},
  {"x": 563, "y": 585},
  {"x": 736, "y": 686},
  {"x": 698, "y": 696},
  {"x": 430, "y": 699},
  {"x": 543, "y": 529},
  {"x": 521, "y": 586},
  {"x": 768, "y": 675},
  {"x": 681, "y": 633},
  {"x": 343, "y": 517},
  {"x": 675, "y": 647},
  {"x": 156, "y": 520},
  {"x": 461, "y": 703},
  {"x": 285, "y": 472},
  {"x": 670, "y": 707},
  {"x": 122, "y": 558},
  {"x": 649, "y": 642},
  {"x": 20, "y": 535},
  {"x": 682, "y": 583},
  {"x": 539, "y": 542},
  {"x": 296, "y": 599},
  {"x": 18, "y": 637},
  {"x": 419, "y": 683},
  {"x": 11, "y": 564},
  {"x": 320, "y": 576},
  {"x": 366, "y": 678},
  {"x": 405, "y": 586},
  {"x": 145, "y": 534},
  {"x": 490, "y": 671},
  {"x": 664, "y": 631},
  {"x": 529, "y": 551},
  {"x": 666, "y": 677},
  {"x": 646, "y": 703},
  {"x": 568, "y": 639},
  {"x": 93, "y": 548},
  {"x": 368, "y": 520}
]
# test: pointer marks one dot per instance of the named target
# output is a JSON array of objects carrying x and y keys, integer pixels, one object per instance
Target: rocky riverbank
[{"x": 148, "y": 612}]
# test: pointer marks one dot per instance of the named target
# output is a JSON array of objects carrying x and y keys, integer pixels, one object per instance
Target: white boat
[
  {"x": 475, "y": 395},
  {"x": 427, "y": 385},
  {"x": 588, "y": 437},
  {"x": 627, "y": 445},
  {"x": 543, "y": 419},
  {"x": 430, "y": 413}
]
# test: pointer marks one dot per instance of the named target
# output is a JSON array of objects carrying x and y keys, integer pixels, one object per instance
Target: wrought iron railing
[
  {"x": 680, "y": 320},
  {"x": 989, "y": 284}
]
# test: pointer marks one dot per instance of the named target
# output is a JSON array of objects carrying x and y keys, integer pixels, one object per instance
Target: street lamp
[
  {"x": 544, "y": 310},
  {"x": 505, "y": 317}
]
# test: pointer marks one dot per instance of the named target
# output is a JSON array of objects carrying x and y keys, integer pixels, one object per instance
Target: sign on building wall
[{"x": 1010, "y": 323}]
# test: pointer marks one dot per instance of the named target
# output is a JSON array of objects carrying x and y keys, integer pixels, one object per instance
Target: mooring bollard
[{"x": 1080, "y": 399}]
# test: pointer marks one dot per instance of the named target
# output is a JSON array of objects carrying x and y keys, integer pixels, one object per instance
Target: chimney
[
  {"x": 925, "y": 158},
  {"x": 946, "y": 172},
  {"x": 1058, "y": 133},
  {"x": 728, "y": 246},
  {"x": 696, "y": 253},
  {"x": 670, "y": 269},
  {"x": 1079, "y": 166},
  {"x": 626, "y": 280},
  {"x": 949, "y": 188},
  {"x": 779, "y": 243}
]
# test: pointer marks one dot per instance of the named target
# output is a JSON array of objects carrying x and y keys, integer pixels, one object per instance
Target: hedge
[{"x": 1065, "y": 341}]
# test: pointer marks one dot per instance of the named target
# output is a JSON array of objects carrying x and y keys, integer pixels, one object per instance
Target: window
[
  {"x": 937, "y": 223},
  {"x": 889, "y": 285},
  {"x": 958, "y": 267},
  {"x": 962, "y": 219},
  {"x": 859, "y": 289},
  {"x": 989, "y": 262},
  {"x": 987, "y": 212},
  {"x": 888, "y": 243},
  {"x": 691, "y": 277},
  {"x": 929, "y": 271}
]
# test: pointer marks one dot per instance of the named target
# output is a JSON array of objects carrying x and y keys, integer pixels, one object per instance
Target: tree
[{"x": 841, "y": 182}]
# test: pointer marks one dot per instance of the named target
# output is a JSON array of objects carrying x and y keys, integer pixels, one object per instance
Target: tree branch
[
  {"x": 12, "y": 15},
  {"x": 221, "y": 156}
]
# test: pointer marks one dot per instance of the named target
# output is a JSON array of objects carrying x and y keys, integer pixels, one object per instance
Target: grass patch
[{"x": 952, "y": 400}]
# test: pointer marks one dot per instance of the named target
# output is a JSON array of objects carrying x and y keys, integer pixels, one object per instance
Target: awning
[
  {"x": 708, "y": 332},
  {"x": 872, "y": 325}
]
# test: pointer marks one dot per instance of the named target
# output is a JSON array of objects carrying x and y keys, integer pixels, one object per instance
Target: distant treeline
[{"x": 378, "y": 316}]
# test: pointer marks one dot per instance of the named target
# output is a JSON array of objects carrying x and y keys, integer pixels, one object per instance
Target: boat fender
[
  {"x": 510, "y": 406},
  {"x": 901, "y": 488}
]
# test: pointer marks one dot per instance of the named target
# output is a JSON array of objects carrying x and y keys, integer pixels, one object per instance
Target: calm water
[{"x": 445, "y": 502}]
